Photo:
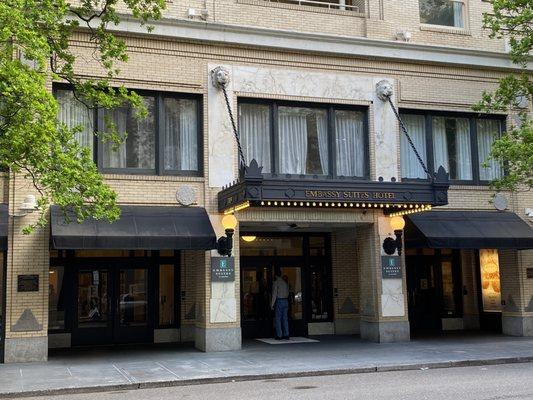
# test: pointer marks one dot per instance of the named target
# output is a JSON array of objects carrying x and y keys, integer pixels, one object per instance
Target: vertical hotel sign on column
[{"x": 490, "y": 280}]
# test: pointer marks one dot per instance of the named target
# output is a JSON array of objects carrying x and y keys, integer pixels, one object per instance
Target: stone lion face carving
[
  {"x": 384, "y": 90},
  {"x": 220, "y": 77}
]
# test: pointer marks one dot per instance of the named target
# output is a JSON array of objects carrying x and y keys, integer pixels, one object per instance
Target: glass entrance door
[
  {"x": 93, "y": 312},
  {"x": 257, "y": 276},
  {"x": 131, "y": 322},
  {"x": 423, "y": 289},
  {"x": 112, "y": 306},
  {"x": 256, "y": 296},
  {"x": 293, "y": 276}
]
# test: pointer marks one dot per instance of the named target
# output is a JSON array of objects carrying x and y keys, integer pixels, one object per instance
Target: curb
[{"x": 282, "y": 375}]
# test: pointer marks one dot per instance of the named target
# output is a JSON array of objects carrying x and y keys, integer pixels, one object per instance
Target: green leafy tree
[
  {"x": 512, "y": 20},
  {"x": 35, "y": 50}
]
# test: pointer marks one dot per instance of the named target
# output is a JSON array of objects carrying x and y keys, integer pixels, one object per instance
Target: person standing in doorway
[{"x": 280, "y": 305}]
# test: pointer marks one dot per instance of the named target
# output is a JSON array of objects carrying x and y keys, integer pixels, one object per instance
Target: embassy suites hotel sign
[
  {"x": 346, "y": 195},
  {"x": 253, "y": 189}
]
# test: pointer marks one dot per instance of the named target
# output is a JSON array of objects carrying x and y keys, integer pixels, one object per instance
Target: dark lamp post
[
  {"x": 390, "y": 245},
  {"x": 397, "y": 224},
  {"x": 225, "y": 243}
]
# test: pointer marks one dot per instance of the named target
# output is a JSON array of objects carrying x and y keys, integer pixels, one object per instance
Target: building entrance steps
[{"x": 128, "y": 367}]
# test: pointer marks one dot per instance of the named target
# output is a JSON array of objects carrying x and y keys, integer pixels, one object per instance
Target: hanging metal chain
[
  {"x": 404, "y": 130},
  {"x": 235, "y": 132}
]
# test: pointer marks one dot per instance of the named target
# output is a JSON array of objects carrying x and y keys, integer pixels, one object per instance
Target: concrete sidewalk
[{"x": 134, "y": 367}]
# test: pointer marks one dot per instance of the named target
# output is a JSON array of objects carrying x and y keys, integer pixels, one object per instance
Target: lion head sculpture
[
  {"x": 384, "y": 90},
  {"x": 220, "y": 77}
]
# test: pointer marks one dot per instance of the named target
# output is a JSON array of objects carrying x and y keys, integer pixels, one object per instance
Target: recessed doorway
[
  {"x": 112, "y": 305},
  {"x": 113, "y": 296},
  {"x": 435, "y": 290},
  {"x": 305, "y": 263}
]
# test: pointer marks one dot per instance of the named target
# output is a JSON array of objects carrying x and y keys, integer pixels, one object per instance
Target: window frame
[
  {"x": 159, "y": 170},
  {"x": 472, "y": 120},
  {"x": 466, "y": 14},
  {"x": 330, "y": 115}
]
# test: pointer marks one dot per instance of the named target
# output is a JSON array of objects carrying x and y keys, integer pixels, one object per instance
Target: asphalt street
[{"x": 499, "y": 382}]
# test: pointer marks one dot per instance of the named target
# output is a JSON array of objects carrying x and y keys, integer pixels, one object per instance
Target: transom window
[
  {"x": 166, "y": 142},
  {"x": 460, "y": 143},
  {"x": 304, "y": 139},
  {"x": 443, "y": 12}
]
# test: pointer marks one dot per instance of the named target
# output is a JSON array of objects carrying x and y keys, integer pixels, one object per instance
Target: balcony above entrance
[{"x": 254, "y": 189}]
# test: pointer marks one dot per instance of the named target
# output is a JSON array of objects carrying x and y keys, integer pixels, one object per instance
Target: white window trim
[{"x": 450, "y": 29}]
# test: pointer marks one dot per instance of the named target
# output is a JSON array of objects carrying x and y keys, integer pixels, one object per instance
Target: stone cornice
[{"x": 319, "y": 43}]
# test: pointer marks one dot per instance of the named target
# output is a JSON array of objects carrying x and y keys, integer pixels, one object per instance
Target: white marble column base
[{"x": 217, "y": 339}]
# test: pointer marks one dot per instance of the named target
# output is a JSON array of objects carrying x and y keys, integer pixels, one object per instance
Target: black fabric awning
[
  {"x": 3, "y": 226},
  {"x": 468, "y": 230},
  {"x": 139, "y": 227}
]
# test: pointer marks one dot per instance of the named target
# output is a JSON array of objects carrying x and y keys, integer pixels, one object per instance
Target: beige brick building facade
[{"x": 285, "y": 54}]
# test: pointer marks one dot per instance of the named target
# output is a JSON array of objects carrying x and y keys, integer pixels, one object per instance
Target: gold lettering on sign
[
  {"x": 348, "y": 195},
  {"x": 328, "y": 194},
  {"x": 384, "y": 195},
  {"x": 356, "y": 195}
]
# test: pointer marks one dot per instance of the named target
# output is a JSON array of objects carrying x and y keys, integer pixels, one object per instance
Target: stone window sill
[
  {"x": 306, "y": 8},
  {"x": 445, "y": 29},
  {"x": 157, "y": 178},
  {"x": 483, "y": 188}
]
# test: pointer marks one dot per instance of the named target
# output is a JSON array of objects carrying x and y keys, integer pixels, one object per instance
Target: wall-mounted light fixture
[
  {"x": 391, "y": 245},
  {"x": 225, "y": 243},
  {"x": 248, "y": 238},
  {"x": 28, "y": 206}
]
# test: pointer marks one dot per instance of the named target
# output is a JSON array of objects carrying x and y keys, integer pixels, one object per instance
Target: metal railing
[{"x": 356, "y": 6}]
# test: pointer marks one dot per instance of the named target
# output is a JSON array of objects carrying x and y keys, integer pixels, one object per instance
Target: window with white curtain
[
  {"x": 443, "y": 12},
  {"x": 167, "y": 141},
  {"x": 488, "y": 130},
  {"x": 416, "y": 127},
  {"x": 137, "y": 150},
  {"x": 75, "y": 114},
  {"x": 180, "y": 132},
  {"x": 451, "y": 147},
  {"x": 350, "y": 143},
  {"x": 254, "y": 130},
  {"x": 312, "y": 140},
  {"x": 461, "y": 144},
  {"x": 303, "y": 141}
]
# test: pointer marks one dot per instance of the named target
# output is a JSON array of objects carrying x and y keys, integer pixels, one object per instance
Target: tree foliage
[
  {"x": 512, "y": 20},
  {"x": 35, "y": 50}
]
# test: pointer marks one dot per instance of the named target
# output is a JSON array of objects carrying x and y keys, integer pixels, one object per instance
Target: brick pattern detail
[
  {"x": 367, "y": 245},
  {"x": 27, "y": 254},
  {"x": 345, "y": 273}
]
